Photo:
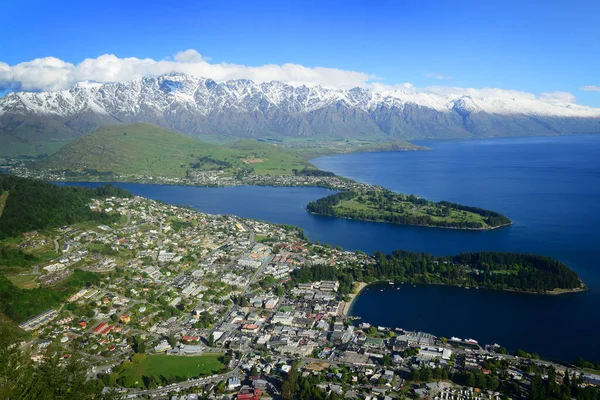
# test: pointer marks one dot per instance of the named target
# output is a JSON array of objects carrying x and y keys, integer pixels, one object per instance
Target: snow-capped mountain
[{"x": 242, "y": 108}]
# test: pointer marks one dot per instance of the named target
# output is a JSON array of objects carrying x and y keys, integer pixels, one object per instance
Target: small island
[{"x": 382, "y": 205}]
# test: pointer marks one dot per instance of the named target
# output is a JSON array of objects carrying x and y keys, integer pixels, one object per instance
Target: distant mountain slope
[
  {"x": 145, "y": 149},
  {"x": 244, "y": 109}
]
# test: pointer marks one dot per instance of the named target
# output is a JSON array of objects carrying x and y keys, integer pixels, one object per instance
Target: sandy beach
[{"x": 361, "y": 286}]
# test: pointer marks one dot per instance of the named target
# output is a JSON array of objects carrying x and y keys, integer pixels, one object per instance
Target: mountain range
[{"x": 244, "y": 109}]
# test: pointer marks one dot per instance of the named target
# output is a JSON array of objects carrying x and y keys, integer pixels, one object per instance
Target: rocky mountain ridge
[{"x": 242, "y": 108}]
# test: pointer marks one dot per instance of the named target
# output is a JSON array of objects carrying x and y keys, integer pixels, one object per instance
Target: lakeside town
[
  {"x": 178, "y": 285},
  {"x": 210, "y": 178}
]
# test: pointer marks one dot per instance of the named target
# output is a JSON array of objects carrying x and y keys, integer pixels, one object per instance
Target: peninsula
[
  {"x": 382, "y": 205},
  {"x": 145, "y": 153},
  {"x": 492, "y": 270}
]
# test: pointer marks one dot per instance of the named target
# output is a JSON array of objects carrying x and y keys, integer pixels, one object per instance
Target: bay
[{"x": 550, "y": 188}]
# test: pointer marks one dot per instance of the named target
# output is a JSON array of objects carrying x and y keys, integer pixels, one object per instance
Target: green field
[
  {"x": 31, "y": 140},
  {"x": 386, "y": 206},
  {"x": 24, "y": 281},
  {"x": 329, "y": 146},
  {"x": 171, "y": 368},
  {"x": 144, "y": 149},
  {"x": 16, "y": 261},
  {"x": 405, "y": 207},
  {"x": 268, "y": 159}
]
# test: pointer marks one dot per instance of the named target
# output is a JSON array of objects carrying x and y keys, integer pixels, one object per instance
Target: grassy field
[
  {"x": 24, "y": 281},
  {"x": 322, "y": 148},
  {"x": 268, "y": 159},
  {"x": 144, "y": 149},
  {"x": 407, "y": 208},
  {"x": 29, "y": 143},
  {"x": 173, "y": 367},
  {"x": 20, "y": 304},
  {"x": 13, "y": 261}
]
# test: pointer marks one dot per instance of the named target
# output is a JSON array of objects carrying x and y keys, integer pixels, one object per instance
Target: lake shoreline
[
  {"x": 328, "y": 187},
  {"x": 353, "y": 296},
  {"x": 522, "y": 187},
  {"x": 422, "y": 226},
  {"x": 554, "y": 292}
]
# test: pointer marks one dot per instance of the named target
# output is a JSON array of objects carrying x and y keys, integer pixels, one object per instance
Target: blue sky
[{"x": 528, "y": 46}]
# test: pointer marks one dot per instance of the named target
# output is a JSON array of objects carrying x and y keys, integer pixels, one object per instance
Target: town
[
  {"x": 189, "y": 305},
  {"x": 211, "y": 178}
]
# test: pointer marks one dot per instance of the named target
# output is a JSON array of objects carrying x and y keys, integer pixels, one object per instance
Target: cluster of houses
[
  {"x": 39, "y": 320},
  {"x": 188, "y": 283}
]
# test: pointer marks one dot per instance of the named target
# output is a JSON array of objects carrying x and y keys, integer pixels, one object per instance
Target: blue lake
[{"x": 550, "y": 188}]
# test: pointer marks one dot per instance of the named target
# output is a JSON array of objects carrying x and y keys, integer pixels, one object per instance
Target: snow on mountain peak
[{"x": 202, "y": 96}]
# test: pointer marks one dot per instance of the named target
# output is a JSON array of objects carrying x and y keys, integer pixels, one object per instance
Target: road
[
  {"x": 187, "y": 384},
  {"x": 261, "y": 267}
]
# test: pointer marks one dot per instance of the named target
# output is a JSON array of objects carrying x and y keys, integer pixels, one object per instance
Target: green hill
[
  {"x": 144, "y": 149},
  {"x": 32, "y": 205}
]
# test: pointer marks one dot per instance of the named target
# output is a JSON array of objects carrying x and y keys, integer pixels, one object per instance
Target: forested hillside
[
  {"x": 21, "y": 304},
  {"x": 54, "y": 378},
  {"x": 494, "y": 270},
  {"x": 32, "y": 205}
]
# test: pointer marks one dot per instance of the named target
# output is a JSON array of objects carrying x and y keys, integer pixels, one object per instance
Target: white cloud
[
  {"x": 437, "y": 76},
  {"x": 47, "y": 73},
  {"x": 51, "y": 73},
  {"x": 506, "y": 94},
  {"x": 557, "y": 97},
  {"x": 189, "y": 55},
  {"x": 590, "y": 88}
]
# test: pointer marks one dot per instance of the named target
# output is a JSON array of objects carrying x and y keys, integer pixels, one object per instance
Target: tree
[
  {"x": 426, "y": 374},
  {"x": 471, "y": 381},
  {"x": 52, "y": 379},
  {"x": 386, "y": 360},
  {"x": 287, "y": 391},
  {"x": 552, "y": 386},
  {"x": 139, "y": 345},
  {"x": 280, "y": 291},
  {"x": 138, "y": 358},
  {"x": 537, "y": 388},
  {"x": 220, "y": 387},
  {"x": 371, "y": 331},
  {"x": 15, "y": 369},
  {"x": 290, "y": 386},
  {"x": 416, "y": 375}
]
